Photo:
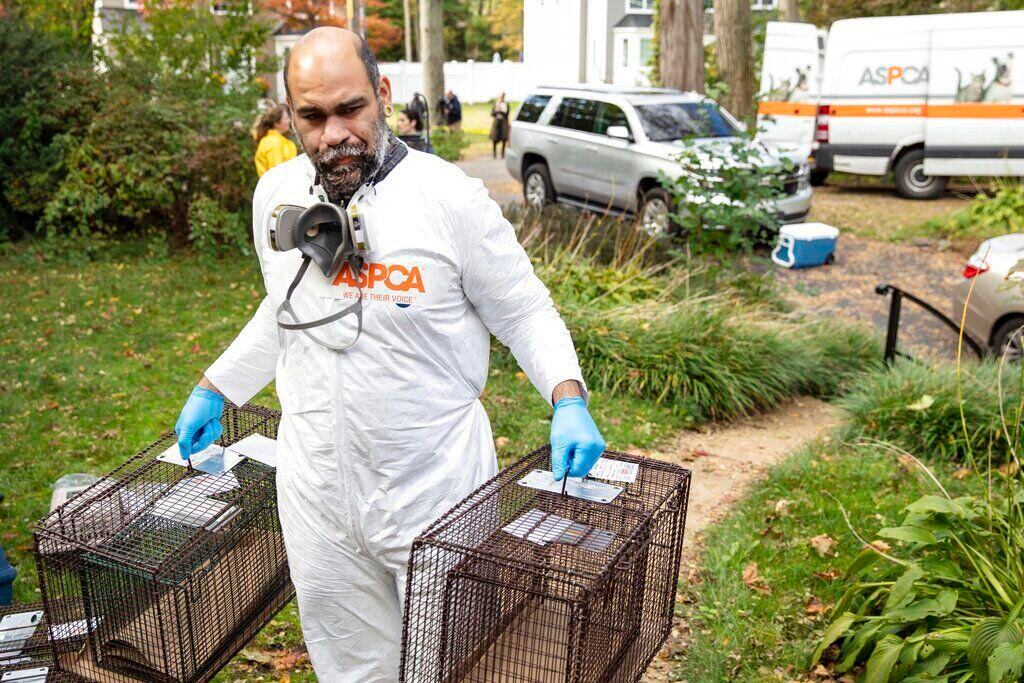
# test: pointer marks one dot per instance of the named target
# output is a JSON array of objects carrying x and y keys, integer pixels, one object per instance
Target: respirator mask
[{"x": 329, "y": 236}]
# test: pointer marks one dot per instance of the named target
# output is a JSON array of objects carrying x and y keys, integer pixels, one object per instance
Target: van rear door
[
  {"x": 976, "y": 100},
  {"x": 790, "y": 85}
]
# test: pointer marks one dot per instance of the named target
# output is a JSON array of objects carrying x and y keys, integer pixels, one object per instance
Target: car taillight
[
  {"x": 971, "y": 270},
  {"x": 821, "y": 132}
]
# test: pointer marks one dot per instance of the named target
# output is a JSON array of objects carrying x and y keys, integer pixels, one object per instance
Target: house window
[
  {"x": 639, "y": 5},
  {"x": 625, "y": 53},
  {"x": 646, "y": 51}
]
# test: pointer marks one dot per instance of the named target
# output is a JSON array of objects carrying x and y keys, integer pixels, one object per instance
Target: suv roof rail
[{"x": 612, "y": 89}]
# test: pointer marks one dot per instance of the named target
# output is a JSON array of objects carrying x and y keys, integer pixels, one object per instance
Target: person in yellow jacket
[{"x": 272, "y": 147}]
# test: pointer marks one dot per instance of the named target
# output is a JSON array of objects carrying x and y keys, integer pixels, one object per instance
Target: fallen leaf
[
  {"x": 782, "y": 507},
  {"x": 815, "y": 606},
  {"x": 830, "y": 575},
  {"x": 880, "y": 546},
  {"x": 752, "y": 578},
  {"x": 822, "y": 544},
  {"x": 256, "y": 656},
  {"x": 288, "y": 660},
  {"x": 699, "y": 453},
  {"x": 196, "y": 348},
  {"x": 501, "y": 441},
  {"x": 962, "y": 473},
  {"x": 924, "y": 403}
]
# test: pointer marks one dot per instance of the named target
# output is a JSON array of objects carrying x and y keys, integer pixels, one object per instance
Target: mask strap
[{"x": 356, "y": 263}]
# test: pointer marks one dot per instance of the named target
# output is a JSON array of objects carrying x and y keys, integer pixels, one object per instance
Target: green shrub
[
  {"x": 986, "y": 216},
  {"x": 45, "y": 103},
  {"x": 916, "y": 406},
  {"x": 448, "y": 144},
  {"x": 713, "y": 358},
  {"x": 168, "y": 149}
]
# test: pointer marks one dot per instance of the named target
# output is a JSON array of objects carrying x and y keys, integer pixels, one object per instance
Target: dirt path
[{"x": 725, "y": 462}]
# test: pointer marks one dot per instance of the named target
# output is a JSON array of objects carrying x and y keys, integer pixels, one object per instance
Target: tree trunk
[
  {"x": 432, "y": 53},
  {"x": 408, "y": 30},
  {"x": 414, "y": 12},
  {"x": 733, "y": 50},
  {"x": 789, "y": 10},
  {"x": 680, "y": 45}
]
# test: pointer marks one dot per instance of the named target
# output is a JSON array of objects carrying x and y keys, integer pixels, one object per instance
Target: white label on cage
[
  {"x": 594, "y": 491},
  {"x": 15, "y": 630},
  {"x": 615, "y": 470},
  {"x": 549, "y": 529},
  {"x": 524, "y": 523},
  {"x": 72, "y": 629},
  {"x": 188, "y": 510},
  {"x": 204, "y": 485},
  {"x": 37, "y": 675},
  {"x": 259, "y": 448},
  {"x": 214, "y": 459}
]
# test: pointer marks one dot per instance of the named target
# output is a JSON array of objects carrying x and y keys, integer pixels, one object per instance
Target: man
[
  {"x": 379, "y": 440},
  {"x": 452, "y": 111}
]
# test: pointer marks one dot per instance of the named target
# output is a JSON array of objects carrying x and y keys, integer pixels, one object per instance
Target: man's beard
[{"x": 341, "y": 181}]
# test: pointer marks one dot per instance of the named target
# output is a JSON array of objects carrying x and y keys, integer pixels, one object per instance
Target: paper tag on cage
[
  {"x": 257, "y": 447},
  {"x": 37, "y": 675},
  {"x": 586, "y": 489},
  {"x": 615, "y": 470},
  {"x": 15, "y": 630},
  {"x": 214, "y": 459}
]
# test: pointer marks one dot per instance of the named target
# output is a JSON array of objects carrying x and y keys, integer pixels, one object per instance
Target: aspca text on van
[{"x": 886, "y": 75}]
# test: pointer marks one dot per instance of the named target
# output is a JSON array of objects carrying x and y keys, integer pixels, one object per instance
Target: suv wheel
[
  {"x": 537, "y": 188},
  {"x": 911, "y": 182},
  {"x": 1007, "y": 340},
  {"x": 656, "y": 212},
  {"x": 819, "y": 176}
]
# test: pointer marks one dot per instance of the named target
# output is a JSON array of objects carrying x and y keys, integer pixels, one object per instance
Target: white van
[{"x": 923, "y": 97}]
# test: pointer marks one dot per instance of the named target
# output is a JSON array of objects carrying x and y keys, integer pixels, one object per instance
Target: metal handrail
[{"x": 895, "y": 308}]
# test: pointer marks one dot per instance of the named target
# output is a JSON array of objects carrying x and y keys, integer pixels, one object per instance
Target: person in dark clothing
[
  {"x": 452, "y": 109},
  {"x": 409, "y": 128},
  {"x": 499, "y": 126}
]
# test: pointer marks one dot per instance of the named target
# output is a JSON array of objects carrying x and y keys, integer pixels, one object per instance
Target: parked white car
[
  {"x": 993, "y": 292},
  {"x": 603, "y": 147}
]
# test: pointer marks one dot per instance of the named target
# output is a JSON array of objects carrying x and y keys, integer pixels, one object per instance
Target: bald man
[{"x": 378, "y": 440}]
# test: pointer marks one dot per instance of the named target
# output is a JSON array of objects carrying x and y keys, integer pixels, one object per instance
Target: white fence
[{"x": 471, "y": 81}]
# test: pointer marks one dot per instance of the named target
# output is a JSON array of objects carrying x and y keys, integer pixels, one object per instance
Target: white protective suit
[{"x": 378, "y": 441}]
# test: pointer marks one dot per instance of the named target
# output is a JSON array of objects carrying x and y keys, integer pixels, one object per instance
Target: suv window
[
  {"x": 679, "y": 120},
  {"x": 576, "y": 114},
  {"x": 530, "y": 110},
  {"x": 609, "y": 115}
]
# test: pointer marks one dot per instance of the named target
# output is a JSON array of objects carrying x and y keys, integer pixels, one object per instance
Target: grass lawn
[
  {"x": 99, "y": 357},
  {"x": 771, "y": 570}
]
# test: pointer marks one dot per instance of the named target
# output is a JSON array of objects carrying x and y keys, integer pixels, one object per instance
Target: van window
[
  {"x": 575, "y": 113},
  {"x": 530, "y": 110},
  {"x": 609, "y": 115},
  {"x": 680, "y": 120}
]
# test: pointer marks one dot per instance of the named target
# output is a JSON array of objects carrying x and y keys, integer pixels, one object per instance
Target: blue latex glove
[
  {"x": 576, "y": 444},
  {"x": 199, "y": 423}
]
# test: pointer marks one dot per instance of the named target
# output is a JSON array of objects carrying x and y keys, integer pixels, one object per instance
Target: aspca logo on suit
[{"x": 393, "y": 276}]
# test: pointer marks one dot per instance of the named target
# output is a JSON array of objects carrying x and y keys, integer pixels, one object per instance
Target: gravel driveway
[{"x": 847, "y": 288}]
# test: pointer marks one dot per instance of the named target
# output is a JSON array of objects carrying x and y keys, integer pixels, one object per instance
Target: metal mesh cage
[
  {"x": 159, "y": 573},
  {"x": 502, "y": 589}
]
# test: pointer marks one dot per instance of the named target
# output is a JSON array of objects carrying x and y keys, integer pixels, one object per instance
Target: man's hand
[
  {"x": 199, "y": 423},
  {"x": 576, "y": 443}
]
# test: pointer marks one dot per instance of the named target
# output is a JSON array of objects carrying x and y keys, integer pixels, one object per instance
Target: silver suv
[{"x": 602, "y": 147}]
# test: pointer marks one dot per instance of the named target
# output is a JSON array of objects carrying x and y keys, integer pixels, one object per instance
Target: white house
[{"x": 597, "y": 41}]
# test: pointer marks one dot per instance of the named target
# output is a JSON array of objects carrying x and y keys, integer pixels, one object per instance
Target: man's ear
[{"x": 384, "y": 89}]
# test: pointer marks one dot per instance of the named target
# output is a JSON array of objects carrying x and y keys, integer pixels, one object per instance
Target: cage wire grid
[
  {"x": 484, "y": 604},
  {"x": 158, "y": 573}
]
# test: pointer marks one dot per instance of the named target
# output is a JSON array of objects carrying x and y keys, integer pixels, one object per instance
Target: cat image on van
[
  {"x": 794, "y": 88},
  {"x": 999, "y": 89}
]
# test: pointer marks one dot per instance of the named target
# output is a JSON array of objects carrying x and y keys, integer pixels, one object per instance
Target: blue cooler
[{"x": 804, "y": 245}]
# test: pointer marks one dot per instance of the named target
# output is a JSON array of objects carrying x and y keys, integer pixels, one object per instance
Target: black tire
[
  {"x": 536, "y": 179},
  {"x": 657, "y": 199},
  {"x": 911, "y": 182},
  {"x": 1008, "y": 333},
  {"x": 818, "y": 176}
]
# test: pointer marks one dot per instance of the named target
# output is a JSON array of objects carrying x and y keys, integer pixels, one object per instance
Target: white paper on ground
[
  {"x": 72, "y": 629},
  {"x": 594, "y": 491},
  {"x": 37, "y": 675},
  {"x": 15, "y": 630},
  {"x": 214, "y": 459},
  {"x": 615, "y": 470},
  {"x": 258, "y": 447}
]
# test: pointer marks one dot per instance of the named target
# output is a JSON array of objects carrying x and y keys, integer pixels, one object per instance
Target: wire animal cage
[
  {"x": 520, "y": 584},
  {"x": 159, "y": 573},
  {"x": 24, "y": 647}
]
